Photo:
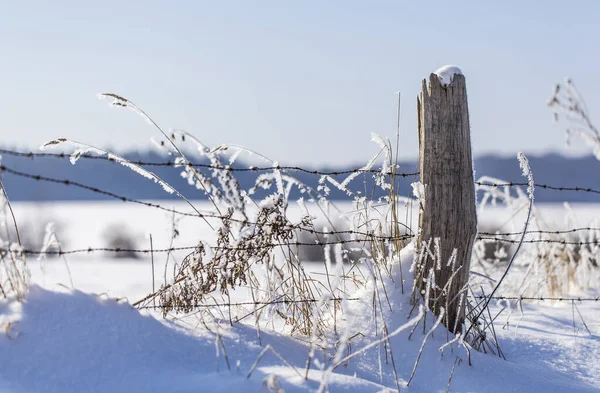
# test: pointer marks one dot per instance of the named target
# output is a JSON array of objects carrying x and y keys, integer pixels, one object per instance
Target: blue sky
[{"x": 302, "y": 82}]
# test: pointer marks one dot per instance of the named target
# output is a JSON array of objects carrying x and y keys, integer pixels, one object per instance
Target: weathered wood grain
[{"x": 448, "y": 211}]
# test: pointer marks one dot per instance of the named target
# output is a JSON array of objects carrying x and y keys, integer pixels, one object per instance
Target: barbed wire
[
  {"x": 71, "y": 183},
  {"x": 97, "y": 190},
  {"x": 122, "y": 198},
  {"x": 60, "y": 252},
  {"x": 67, "y": 182},
  {"x": 544, "y": 186},
  {"x": 33, "y": 155},
  {"x": 546, "y": 232},
  {"x": 483, "y": 236},
  {"x": 4, "y": 251},
  {"x": 303, "y": 301},
  {"x": 540, "y": 298},
  {"x": 250, "y": 303},
  {"x": 530, "y": 241}
]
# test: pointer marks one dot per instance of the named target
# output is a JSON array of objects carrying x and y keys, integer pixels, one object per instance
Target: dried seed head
[
  {"x": 117, "y": 99},
  {"x": 54, "y": 142},
  {"x": 115, "y": 96}
]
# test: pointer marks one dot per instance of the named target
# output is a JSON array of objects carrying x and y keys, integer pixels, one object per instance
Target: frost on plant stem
[
  {"x": 122, "y": 102},
  {"x": 82, "y": 148},
  {"x": 385, "y": 148},
  {"x": 50, "y": 240},
  {"x": 380, "y": 176},
  {"x": 493, "y": 193},
  {"x": 524, "y": 164},
  {"x": 248, "y": 250},
  {"x": 419, "y": 192},
  {"x": 591, "y": 140},
  {"x": 526, "y": 172},
  {"x": 14, "y": 272},
  {"x": 568, "y": 103}
]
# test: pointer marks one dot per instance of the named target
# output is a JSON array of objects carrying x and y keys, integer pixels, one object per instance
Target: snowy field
[{"x": 78, "y": 333}]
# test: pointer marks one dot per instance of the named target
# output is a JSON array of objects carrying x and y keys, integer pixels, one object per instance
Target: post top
[{"x": 446, "y": 74}]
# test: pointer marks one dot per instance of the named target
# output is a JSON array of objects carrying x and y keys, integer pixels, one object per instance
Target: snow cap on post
[{"x": 446, "y": 74}]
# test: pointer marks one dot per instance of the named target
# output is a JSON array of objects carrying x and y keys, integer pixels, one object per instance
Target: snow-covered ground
[{"x": 89, "y": 339}]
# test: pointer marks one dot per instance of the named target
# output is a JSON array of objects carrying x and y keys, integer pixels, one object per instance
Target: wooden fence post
[{"x": 448, "y": 210}]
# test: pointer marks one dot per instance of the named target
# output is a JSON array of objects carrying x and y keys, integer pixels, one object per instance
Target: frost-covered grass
[
  {"x": 103, "y": 344},
  {"x": 248, "y": 308},
  {"x": 75, "y": 341}
]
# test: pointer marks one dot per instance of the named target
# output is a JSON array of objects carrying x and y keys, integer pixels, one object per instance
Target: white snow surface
[
  {"x": 63, "y": 340},
  {"x": 90, "y": 339},
  {"x": 446, "y": 74}
]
